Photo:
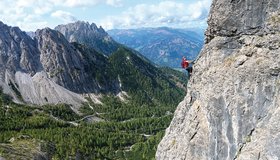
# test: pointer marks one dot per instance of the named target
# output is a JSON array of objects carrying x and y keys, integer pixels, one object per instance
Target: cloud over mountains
[
  {"x": 166, "y": 13},
  {"x": 33, "y": 14}
]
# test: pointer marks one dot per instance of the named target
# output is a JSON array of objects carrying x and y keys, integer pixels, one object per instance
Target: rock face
[
  {"x": 232, "y": 108},
  {"x": 163, "y": 46},
  {"x": 90, "y": 35},
  {"x": 66, "y": 64},
  {"x": 49, "y": 69}
]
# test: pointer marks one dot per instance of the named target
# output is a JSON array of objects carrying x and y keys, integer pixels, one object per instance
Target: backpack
[{"x": 184, "y": 64}]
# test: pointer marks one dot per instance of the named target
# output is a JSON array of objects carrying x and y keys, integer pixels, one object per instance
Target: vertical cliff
[{"x": 232, "y": 108}]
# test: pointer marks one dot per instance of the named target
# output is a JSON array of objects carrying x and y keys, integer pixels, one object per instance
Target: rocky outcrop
[
  {"x": 66, "y": 64},
  {"x": 237, "y": 17},
  {"x": 90, "y": 35},
  {"x": 232, "y": 107},
  {"x": 18, "y": 51}
]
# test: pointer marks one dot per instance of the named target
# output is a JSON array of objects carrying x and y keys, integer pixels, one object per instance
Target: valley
[
  {"x": 163, "y": 46},
  {"x": 123, "y": 130},
  {"x": 69, "y": 100}
]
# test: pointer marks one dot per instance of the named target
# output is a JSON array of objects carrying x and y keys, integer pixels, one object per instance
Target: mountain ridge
[
  {"x": 90, "y": 35},
  {"x": 164, "y": 46}
]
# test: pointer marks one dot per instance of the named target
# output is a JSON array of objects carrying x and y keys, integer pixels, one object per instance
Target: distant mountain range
[{"x": 163, "y": 46}]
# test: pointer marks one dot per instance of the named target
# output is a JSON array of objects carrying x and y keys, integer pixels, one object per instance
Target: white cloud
[
  {"x": 76, "y": 3},
  {"x": 27, "y": 14},
  {"x": 22, "y": 13},
  {"x": 48, "y": 12},
  {"x": 65, "y": 16},
  {"x": 166, "y": 13},
  {"x": 116, "y": 3},
  {"x": 85, "y": 3}
]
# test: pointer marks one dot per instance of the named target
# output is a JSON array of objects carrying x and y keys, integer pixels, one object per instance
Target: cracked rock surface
[{"x": 232, "y": 107}]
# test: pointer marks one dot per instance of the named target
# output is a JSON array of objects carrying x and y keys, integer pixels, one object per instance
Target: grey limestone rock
[
  {"x": 49, "y": 69},
  {"x": 90, "y": 35},
  {"x": 64, "y": 63},
  {"x": 243, "y": 17},
  {"x": 232, "y": 107}
]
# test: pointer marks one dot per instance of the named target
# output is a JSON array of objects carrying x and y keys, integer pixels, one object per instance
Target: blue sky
[{"x": 30, "y": 15}]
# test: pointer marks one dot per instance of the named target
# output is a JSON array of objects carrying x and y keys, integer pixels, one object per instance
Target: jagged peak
[
  {"x": 3, "y": 24},
  {"x": 13, "y": 32},
  {"x": 46, "y": 30},
  {"x": 82, "y": 25},
  {"x": 89, "y": 34},
  {"x": 101, "y": 29},
  {"x": 12, "y": 28},
  {"x": 53, "y": 34}
]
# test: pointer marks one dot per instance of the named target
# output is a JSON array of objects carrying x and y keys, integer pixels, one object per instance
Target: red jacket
[{"x": 184, "y": 63}]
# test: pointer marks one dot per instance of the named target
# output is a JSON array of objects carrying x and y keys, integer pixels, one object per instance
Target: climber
[{"x": 186, "y": 65}]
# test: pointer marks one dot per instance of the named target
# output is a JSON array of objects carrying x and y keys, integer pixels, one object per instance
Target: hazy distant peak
[
  {"x": 81, "y": 25},
  {"x": 90, "y": 35}
]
